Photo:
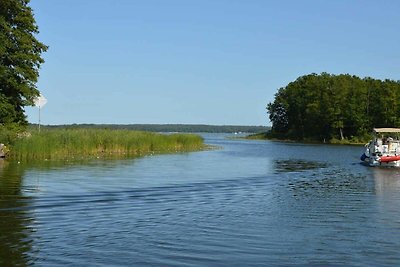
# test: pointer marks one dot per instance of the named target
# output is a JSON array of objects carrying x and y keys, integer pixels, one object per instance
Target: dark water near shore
[{"x": 250, "y": 203}]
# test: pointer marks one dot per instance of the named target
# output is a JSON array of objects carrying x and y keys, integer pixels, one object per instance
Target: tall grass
[{"x": 52, "y": 144}]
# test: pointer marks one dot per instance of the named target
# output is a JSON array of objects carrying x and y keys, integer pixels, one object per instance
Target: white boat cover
[{"x": 387, "y": 130}]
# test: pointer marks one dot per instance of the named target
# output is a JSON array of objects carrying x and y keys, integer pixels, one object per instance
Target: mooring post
[{"x": 39, "y": 120}]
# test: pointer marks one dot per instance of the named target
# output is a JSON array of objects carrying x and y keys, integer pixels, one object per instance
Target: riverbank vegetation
[
  {"x": 70, "y": 144},
  {"x": 334, "y": 141},
  {"x": 334, "y": 108}
]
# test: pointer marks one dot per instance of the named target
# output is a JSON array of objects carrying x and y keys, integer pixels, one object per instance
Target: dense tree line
[
  {"x": 20, "y": 60},
  {"x": 184, "y": 128},
  {"x": 326, "y": 106}
]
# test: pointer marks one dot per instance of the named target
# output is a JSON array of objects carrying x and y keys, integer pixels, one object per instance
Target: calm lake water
[{"x": 250, "y": 203}]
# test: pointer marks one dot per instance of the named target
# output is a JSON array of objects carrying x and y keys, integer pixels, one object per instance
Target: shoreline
[{"x": 263, "y": 136}]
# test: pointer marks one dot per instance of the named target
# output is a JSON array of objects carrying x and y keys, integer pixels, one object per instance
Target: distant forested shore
[
  {"x": 183, "y": 128},
  {"x": 329, "y": 107}
]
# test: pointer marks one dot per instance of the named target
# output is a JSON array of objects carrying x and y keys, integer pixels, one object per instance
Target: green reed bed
[{"x": 53, "y": 144}]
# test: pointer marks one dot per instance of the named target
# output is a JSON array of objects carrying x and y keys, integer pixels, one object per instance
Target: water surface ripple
[{"x": 250, "y": 203}]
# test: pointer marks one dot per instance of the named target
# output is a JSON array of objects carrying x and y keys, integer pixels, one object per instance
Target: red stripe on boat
[{"x": 389, "y": 158}]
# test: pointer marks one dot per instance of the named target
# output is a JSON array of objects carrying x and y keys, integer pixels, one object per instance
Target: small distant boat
[{"x": 383, "y": 149}]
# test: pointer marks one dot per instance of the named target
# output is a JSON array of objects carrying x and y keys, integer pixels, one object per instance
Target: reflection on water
[
  {"x": 387, "y": 188},
  {"x": 249, "y": 204},
  {"x": 386, "y": 180},
  {"x": 16, "y": 222},
  {"x": 293, "y": 165}
]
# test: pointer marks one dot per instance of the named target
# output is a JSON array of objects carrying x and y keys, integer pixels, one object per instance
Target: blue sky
[{"x": 201, "y": 61}]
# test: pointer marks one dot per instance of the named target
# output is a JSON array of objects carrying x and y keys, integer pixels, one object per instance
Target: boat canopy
[{"x": 387, "y": 130}]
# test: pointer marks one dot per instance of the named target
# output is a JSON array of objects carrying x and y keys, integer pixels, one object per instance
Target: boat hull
[{"x": 386, "y": 161}]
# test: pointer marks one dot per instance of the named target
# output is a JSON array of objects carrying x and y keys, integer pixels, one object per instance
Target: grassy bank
[
  {"x": 55, "y": 144},
  {"x": 258, "y": 136},
  {"x": 353, "y": 141}
]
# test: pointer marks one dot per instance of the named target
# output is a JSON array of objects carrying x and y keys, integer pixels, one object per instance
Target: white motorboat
[{"x": 384, "y": 148}]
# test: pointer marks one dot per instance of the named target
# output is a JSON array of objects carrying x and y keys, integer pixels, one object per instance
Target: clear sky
[{"x": 201, "y": 61}]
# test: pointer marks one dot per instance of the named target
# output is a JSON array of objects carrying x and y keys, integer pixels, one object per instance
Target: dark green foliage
[
  {"x": 20, "y": 59},
  {"x": 325, "y": 106},
  {"x": 9, "y": 133}
]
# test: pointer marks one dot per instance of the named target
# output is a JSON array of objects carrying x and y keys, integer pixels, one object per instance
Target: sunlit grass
[{"x": 54, "y": 144}]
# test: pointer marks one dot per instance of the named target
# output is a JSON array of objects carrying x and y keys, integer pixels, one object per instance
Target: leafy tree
[
  {"x": 329, "y": 106},
  {"x": 278, "y": 113},
  {"x": 20, "y": 60}
]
